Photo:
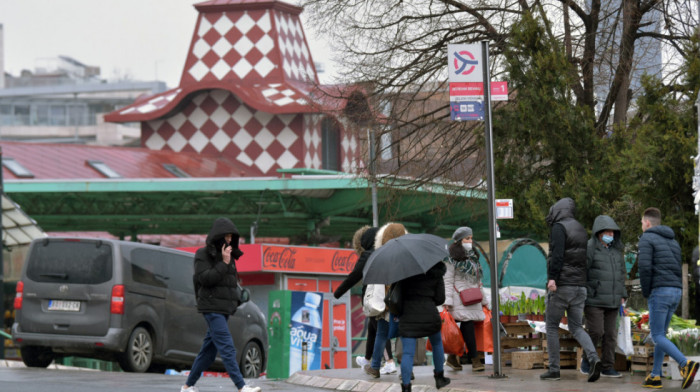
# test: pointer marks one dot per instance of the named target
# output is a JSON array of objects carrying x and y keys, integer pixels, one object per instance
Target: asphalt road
[{"x": 54, "y": 380}]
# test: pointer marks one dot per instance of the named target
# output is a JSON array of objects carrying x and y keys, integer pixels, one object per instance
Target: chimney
[{"x": 2, "y": 57}]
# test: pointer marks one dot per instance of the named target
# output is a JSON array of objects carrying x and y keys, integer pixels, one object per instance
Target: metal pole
[
  {"x": 373, "y": 176},
  {"x": 493, "y": 247}
]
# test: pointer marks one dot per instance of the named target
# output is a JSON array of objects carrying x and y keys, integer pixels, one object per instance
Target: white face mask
[{"x": 467, "y": 246}]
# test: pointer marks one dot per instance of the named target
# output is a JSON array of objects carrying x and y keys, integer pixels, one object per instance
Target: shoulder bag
[
  {"x": 394, "y": 300},
  {"x": 373, "y": 301},
  {"x": 472, "y": 295}
]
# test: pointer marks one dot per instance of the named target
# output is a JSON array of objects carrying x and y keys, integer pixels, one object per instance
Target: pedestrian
[
  {"x": 216, "y": 287},
  {"x": 464, "y": 272},
  {"x": 421, "y": 295},
  {"x": 387, "y": 232},
  {"x": 606, "y": 291},
  {"x": 695, "y": 263},
  {"x": 566, "y": 286},
  {"x": 660, "y": 276},
  {"x": 363, "y": 243}
]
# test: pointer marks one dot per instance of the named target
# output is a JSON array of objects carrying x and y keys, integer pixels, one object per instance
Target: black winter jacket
[
  {"x": 421, "y": 295},
  {"x": 567, "y": 268},
  {"x": 606, "y": 267},
  {"x": 659, "y": 259},
  {"x": 216, "y": 283}
]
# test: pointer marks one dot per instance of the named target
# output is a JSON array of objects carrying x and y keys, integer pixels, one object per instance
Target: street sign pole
[{"x": 493, "y": 250}]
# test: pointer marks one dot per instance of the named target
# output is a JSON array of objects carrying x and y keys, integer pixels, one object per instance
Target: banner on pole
[{"x": 464, "y": 63}]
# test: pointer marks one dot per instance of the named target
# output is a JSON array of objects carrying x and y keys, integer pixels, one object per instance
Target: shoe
[
  {"x": 440, "y": 379},
  {"x": 362, "y": 361},
  {"x": 405, "y": 387},
  {"x": 388, "y": 368},
  {"x": 248, "y": 388},
  {"x": 652, "y": 382},
  {"x": 371, "y": 371},
  {"x": 453, "y": 362},
  {"x": 688, "y": 373},
  {"x": 594, "y": 375},
  {"x": 585, "y": 366},
  {"x": 551, "y": 376},
  {"x": 477, "y": 366},
  {"x": 610, "y": 373},
  {"x": 189, "y": 389}
]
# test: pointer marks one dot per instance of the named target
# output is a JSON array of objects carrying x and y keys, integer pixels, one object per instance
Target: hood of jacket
[
  {"x": 357, "y": 240},
  {"x": 663, "y": 231},
  {"x": 388, "y": 232},
  {"x": 367, "y": 240},
  {"x": 604, "y": 222},
  {"x": 562, "y": 209},
  {"x": 219, "y": 229}
]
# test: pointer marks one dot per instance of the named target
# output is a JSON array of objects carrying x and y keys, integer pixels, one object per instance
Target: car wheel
[
  {"x": 35, "y": 356},
  {"x": 139, "y": 352},
  {"x": 251, "y": 360}
]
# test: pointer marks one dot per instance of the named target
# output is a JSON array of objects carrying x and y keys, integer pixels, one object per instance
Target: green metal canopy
[{"x": 309, "y": 206}]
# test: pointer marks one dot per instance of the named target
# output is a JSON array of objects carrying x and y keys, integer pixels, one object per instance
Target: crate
[
  {"x": 620, "y": 364},
  {"x": 643, "y": 350},
  {"x": 520, "y": 336},
  {"x": 527, "y": 359},
  {"x": 568, "y": 346}
]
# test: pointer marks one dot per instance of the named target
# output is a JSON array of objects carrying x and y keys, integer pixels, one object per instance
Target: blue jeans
[
  {"x": 572, "y": 300},
  {"x": 409, "y": 349},
  {"x": 379, "y": 343},
  {"x": 218, "y": 339},
  {"x": 663, "y": 301}
]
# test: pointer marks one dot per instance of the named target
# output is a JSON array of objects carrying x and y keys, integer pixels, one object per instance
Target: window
[
  {"x": 57, "y": 115},
  {"x": 42, "y": 114},
  {"x": 104, "y": 169},
  {"x": 148, "y": 267},
  {"x": 330, "y": 144},
  {"x": 176, "y": 171},
  {"x": 16, "y": 168},
  {"x": 385, "y": 146},
  {"x": 60, "y": 261},
  {"x": 21, "y": 114}
]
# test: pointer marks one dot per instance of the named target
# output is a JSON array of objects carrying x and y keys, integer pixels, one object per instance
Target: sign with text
[
  {"x": 467, "y": 110},
  {"x": 465, "y": 63},
  {"x": 470, "y": 91},
  {"x": 308, "y": 259},
  {"x": 504, "y": 208}
]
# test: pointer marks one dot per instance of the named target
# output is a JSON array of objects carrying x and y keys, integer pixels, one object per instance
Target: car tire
[
  {"x": 36, "y": 356},
  {"x": 251, "y": 360},
  {"x": 139, "y": 352}
]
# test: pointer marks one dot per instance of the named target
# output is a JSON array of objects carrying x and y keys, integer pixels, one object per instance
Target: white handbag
[{"x": 373, "y": 302}]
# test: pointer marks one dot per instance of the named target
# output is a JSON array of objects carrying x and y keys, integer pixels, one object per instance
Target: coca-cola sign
[{"x": 308, "y": 259}]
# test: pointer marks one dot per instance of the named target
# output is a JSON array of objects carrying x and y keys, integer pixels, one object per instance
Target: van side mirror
[{"x": 245, "y": 295}]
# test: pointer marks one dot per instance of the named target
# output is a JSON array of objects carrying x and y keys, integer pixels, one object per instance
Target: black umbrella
[{"x": 405, "y": 256}]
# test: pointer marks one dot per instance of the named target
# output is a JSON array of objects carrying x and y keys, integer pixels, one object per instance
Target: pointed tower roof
[{"x": 255, "y": 49}]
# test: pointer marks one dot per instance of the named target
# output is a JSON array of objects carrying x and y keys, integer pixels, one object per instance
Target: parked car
[{"x": 124, "y": 301}]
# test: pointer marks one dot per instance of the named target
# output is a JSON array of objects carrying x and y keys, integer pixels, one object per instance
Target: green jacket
[{"x": 606, "y": 267}]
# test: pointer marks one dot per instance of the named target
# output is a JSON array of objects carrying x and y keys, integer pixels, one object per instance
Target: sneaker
[
  {"x": 652, "y": 382},
  {"x": 688, "y": 373},
  {"x": 594, "y": 375},
  {"x": 610, "y": 373},
  {"x": 362, "y": 361},
  {"x": 551, "y": 376},
  {"x": 248, "y": 388},
  {"x": 453, "y": 362},
  {"x": 388, "y": 368},
  {"x": 371, "y": 371},
  {"x": 189, "y": 389},
  {"x": 585, "y": 366}
]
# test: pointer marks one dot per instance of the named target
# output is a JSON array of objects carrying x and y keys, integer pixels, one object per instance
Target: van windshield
[{"x": 70, "y": 262}]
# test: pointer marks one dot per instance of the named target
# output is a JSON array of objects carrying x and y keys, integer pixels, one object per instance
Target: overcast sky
[{"x": 144, "y": 39}]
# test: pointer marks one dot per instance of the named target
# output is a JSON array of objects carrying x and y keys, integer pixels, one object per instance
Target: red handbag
[{"x": 471, "y": 296}]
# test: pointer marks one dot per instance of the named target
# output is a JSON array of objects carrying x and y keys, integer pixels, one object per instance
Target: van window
[
  {"x": 181, "y": 271},
  {"x": 70, "y": 262},
  {"x": 149, "y": 267}
]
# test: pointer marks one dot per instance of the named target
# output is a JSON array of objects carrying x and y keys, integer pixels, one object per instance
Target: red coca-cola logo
[
  {"x": 283, "y": 258},
  {"x": 343, "y": 261}
]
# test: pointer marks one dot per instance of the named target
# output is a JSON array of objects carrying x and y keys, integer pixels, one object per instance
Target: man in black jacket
[
  {"x": 566, "y": 286},
  {"x": 660, "y": 276}
]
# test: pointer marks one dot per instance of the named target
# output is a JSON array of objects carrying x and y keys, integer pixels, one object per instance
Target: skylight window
[
  {"x": 16, "y": 168},
  {"x": 104, "y": 169},
  {"x": 176, "y": 171}
]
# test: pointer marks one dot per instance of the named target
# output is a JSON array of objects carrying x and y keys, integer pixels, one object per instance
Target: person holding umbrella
[{"x": 464, "y": 272}]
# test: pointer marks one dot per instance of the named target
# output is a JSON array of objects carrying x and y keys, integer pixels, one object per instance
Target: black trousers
[
  {"x": 600, "y": 323},
  {"x": 371, "y": 335},
  {"x": 467, "y": 328}
]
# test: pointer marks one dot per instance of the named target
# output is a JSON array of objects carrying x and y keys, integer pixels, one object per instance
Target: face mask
[
  {"x": 607, "y": 239},
  {"x": 467, "y": 246}
]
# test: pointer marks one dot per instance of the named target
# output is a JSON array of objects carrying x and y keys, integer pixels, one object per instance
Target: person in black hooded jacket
[{"x": 216, "y": 288}]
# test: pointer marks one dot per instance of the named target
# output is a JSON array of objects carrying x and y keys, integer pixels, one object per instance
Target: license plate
[{"x": 66, "y": 306}]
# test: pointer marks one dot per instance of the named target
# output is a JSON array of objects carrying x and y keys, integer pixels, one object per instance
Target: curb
[{"x": 341, "y": 384}]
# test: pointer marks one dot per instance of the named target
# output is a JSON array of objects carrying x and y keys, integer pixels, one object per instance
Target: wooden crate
[
  {"x": 644, "y": 350},
  {"x": 527, "y": 359},
  {"x": 520, "y": 336},
  {"x": 567, "y": 351},
  {"x": 641, "y": 363}
]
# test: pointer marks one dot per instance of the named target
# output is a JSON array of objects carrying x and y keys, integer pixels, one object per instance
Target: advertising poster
[{"x": 305, "y": 333}]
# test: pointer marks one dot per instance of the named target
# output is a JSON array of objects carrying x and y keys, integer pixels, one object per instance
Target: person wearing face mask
[
  {"x": 464, "y": 272},
  {"x": 605, "y": 291}
]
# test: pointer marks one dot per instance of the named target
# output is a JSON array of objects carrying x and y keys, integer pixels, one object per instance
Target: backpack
[{"x": 373, "y": 301}]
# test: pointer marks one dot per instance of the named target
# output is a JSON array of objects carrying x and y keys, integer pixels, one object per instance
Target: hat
[{"x": 461, "y": 233}]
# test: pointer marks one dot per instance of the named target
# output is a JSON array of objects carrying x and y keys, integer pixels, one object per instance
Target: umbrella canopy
[{"x": 405, "y": 256}]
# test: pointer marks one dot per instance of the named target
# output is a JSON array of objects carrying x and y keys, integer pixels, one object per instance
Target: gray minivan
[{"x": 124, "y": 301}]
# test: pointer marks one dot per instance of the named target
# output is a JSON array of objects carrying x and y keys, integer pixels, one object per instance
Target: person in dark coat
[
  {"x": 660, "y": 276},
  {"x": 363, "y": 243},
  {"x": 606, "y": 290},
  {"x": 566, "y": 286},
  {"x": 421, "y": 295},
  {"x": 218, "y": 296}
]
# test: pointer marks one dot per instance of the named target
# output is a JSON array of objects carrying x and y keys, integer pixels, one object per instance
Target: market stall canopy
[{"x": 17, "y": 228}]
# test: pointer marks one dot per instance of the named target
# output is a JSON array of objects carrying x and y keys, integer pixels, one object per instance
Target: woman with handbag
[{"x": 463, "y": 283}]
